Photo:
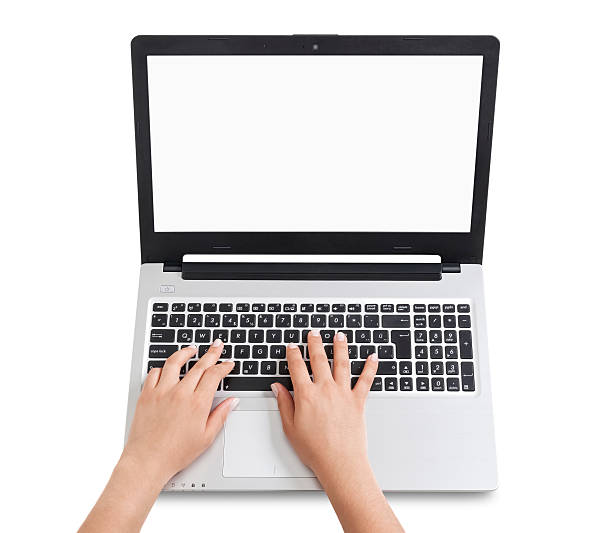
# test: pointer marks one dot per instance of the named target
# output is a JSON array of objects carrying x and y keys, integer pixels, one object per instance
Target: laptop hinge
[
  {"x": 311, "y": 271},
  {"x": 451, "y": 268}
]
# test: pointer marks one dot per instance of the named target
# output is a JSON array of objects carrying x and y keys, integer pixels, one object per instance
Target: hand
[
  {"x": 173, "y": 424},
  {"x": 325, "y": 422}
]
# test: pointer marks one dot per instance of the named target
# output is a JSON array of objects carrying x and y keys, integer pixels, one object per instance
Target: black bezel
[{"x": 162, "y": 247}]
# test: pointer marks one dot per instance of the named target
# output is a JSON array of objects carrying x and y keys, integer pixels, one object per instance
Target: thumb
[
  {"x": 218, "y": 416},
  {"x": 285, "y": 405}
]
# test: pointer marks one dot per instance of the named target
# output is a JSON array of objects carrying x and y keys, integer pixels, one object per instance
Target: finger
[
  {"x": 151, "y": 380},
  {"x": 342, "y": 374},
  {"x": 210, "y": 382},
  {"x": 194, "y": 375},
  {"x": 172, "y": 367},
  {"x": 297, "y": 367},
  {"x": 318, "y": 358},
  {"x": 217, "y": 418},
  {"x": 364, "y": 383},
  {"x": 286, "y": 406}
]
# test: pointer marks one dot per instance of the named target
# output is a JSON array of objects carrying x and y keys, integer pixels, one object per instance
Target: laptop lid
[{"x": 313, "y": 144}]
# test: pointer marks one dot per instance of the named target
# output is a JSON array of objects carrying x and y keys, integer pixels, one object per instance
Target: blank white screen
[{"x": 313, "y": 143}]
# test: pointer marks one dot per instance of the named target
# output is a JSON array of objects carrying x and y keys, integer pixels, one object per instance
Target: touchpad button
[{"x": 255, "y": 446}]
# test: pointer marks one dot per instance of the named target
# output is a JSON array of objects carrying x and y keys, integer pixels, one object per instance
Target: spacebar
[{"x": 233, "y": 383}]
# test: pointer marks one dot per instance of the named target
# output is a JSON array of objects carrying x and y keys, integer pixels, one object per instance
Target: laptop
[{"x": 321, "y": 181}]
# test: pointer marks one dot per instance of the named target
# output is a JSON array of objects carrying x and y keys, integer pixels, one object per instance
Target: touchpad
[{"x": 255, "y": 446}]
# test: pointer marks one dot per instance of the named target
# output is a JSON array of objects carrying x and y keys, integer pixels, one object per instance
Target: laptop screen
[{"x": 310, "y": 143}]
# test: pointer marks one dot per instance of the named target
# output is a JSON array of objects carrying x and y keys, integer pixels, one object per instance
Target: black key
[
  {"x": 450, "y": 352},
  {"x": 396, "y": 321},
  {"x": 236, "y": 369},
  {"x": 250, "y": 367},
  {"x": 450, "y": 336},
  {"x": 450, "y": 321},
  {"x": 467, "y": 383},
  {"x": 433, "y": 308},
  {"x": 239, "y": 383},
  {"x": 357, "y": 367},
  {"x": 300, "y": 321},
  {"x": 387, "y": 308},
  {"x": 318, "y": 321},
  {"x": 226, "y": 353},
  {"x": 419, "y": 308},
  {"x": 338, "y": 308},
  {"x": 212, "y": 321},
  {"x": 354, "y": 321},
  {"x": 305, "y": 333},
  {"x": 362, "y": 336},
  {"x": 366, "y": 350},
  {"x": 402, "y": 308},
  {"x": 464, "y": 321},
  {"x": 327, "y": 336},
  {"x": 256, "y": 335},
  {"x": 230, "y": 321},
  {"x": 283, "y": 321},
  {"x": 159, "y": 321},
  {"x": 352, "y": 351},
  {"x": 420, "y": 336},
  {"x": 268, "y": 367},
  {"x": 405, "y": 368},
  {"x": 401, "y": 339},
  {"x": 307, "y": 308},
  {"x": 376, "y": 384},
  {"x": 352, "y": 308},
  {"x": 247, "y": 321},
  {"x": 274, "y": 335},
  {"x": 467, "y": 369},
  {"x": 154, "y": 364},
  {"x": 420, "y": 321},
  {"x": 258, "y": 308},
  {"x": 226, "y": 308},
  {"x": 448, "y": 308},
  {"x": 308, "y": 367},
  {"x": 371, "y": 308},
  {"x": 437, "y": 384},
  {"x": 194, "y": 308},
  {"x": 242, "y": 352},
  {"x": 162, "y": 335},
  {"x": 435, "y": 321},
  {"x": 291, "y": 335},
  {"x": 274, "y": 308},
  {"x": 463, "y": 308},
  {"x": 160, "y": 307},
  {"x": 336, "y": 321},
  {"x": 221, "y": 334},
  {"x": 260, "y": 351},
  {"x": 421, "y": 352},
  {"x": 195, "y": 321},
  {"x": 329, "y": 351},
  {"x": 277, "y": 352},
  {"x": 435, "y": 335},
  {"x": 184, "y": 335},
  {"x": 422, "y": 384},
  {"x": 452, "y": 384},
  {"x": 238, "y": 335},
  {"x": 435, "y": 352},
  {"x": 437, "y": 368},
  {"x": 290, "y": 308},
  {"x": 391, "y": 384},
  {"x": 178, "y": 308},
  {"x": 283, "y": 368},
  {"x": 209, "y": 308},
  {"x": 161, "y": 351},
  {"x": 406, "y": 384},
  {"x": 202, "y": 349},
  {"x": 380, "y": 336},
  {"x": 421, "y": 368},
  {"x": 465, "y": 344},
  {"x": 386, "y": 368},
  {"x": 322, "y": 308},
  {"x": 177, "y": 321},
  {"x": 385, "y": 352},
  {"x": 243, "y": 308},
  {"x": 452, "y": 368}
]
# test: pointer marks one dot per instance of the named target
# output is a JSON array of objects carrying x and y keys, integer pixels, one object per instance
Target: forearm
[
  {"x": 126, "y": 500},
  {"x": 357, "y": 499}
]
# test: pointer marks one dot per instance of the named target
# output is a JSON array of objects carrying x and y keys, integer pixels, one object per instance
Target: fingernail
[
  {"x": 218, "y": 342},
  {"x": 193, "y": 347},
  {"x": 315, "y": 332},
  {"x": 374, "y": 357},
  {"x": 292, "y": 345},
  {"x": 340, "y": 336},
  {"x": 235, "y": 402},
  {"x": 274, "y": 389}
]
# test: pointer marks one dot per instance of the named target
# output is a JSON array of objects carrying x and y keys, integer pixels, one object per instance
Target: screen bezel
[{"x": 169, "y": 247}]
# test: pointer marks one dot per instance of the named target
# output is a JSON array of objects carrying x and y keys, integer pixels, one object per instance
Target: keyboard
[{"x": 423, "y": 346}]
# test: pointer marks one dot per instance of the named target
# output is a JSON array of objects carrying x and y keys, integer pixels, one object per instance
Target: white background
[
  {"x": 249, "y": 136},
  {"x": 70, "y": 259}
]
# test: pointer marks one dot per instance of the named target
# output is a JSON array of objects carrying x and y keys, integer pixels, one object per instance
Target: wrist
[
  {"x": 339, "y": 470},
  {"x": 142, "y": 468}
]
